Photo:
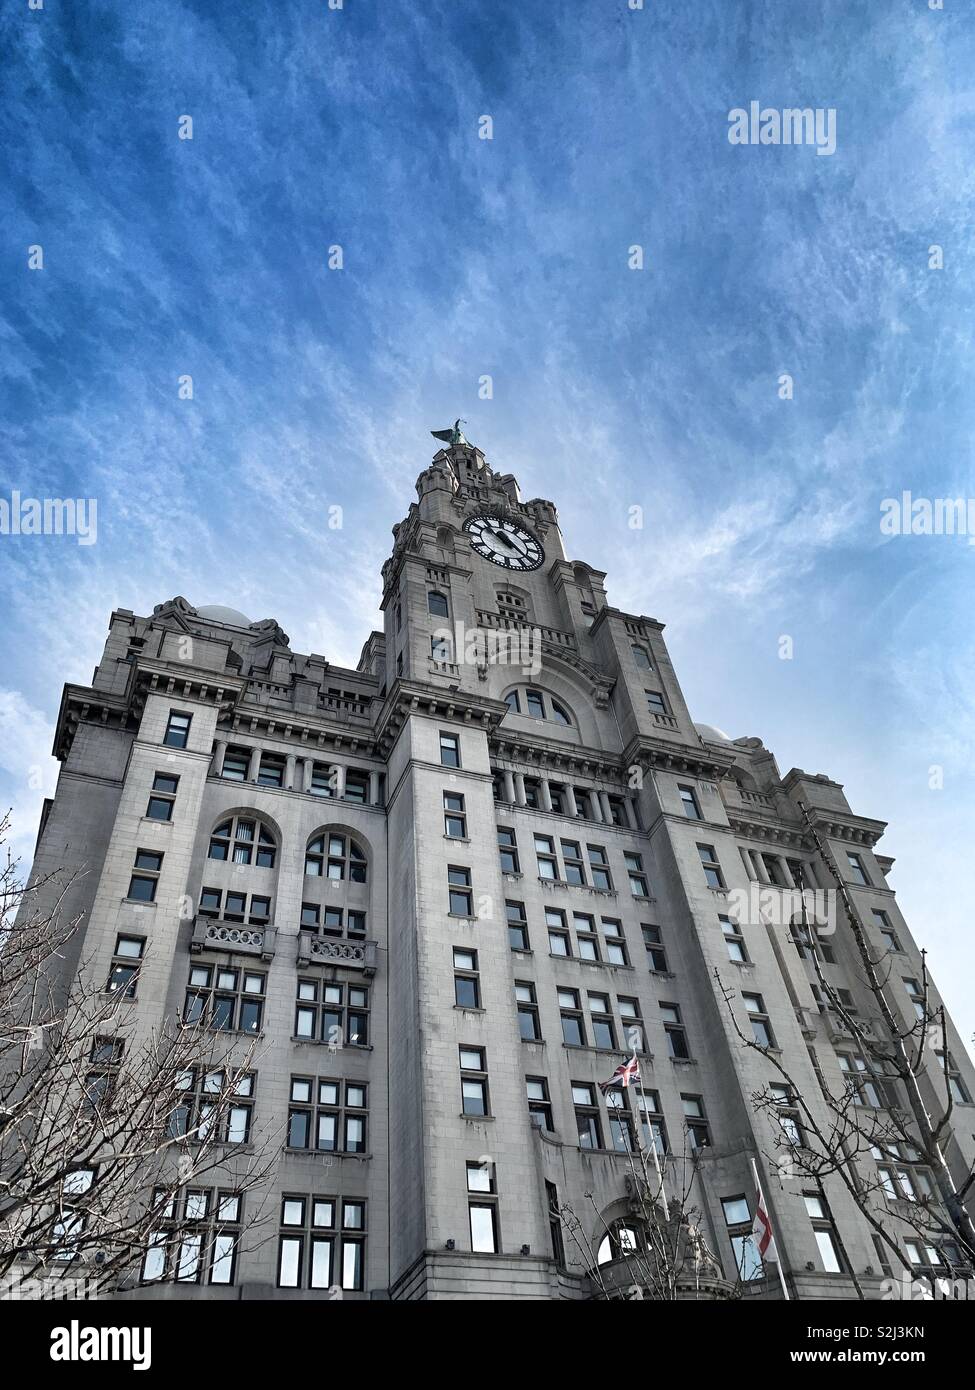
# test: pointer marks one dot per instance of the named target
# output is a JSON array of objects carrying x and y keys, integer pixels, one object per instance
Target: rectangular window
[
  {"x": 527, "y": 1007},
  {"x": 759, "y": 1019},
  {"x": 620, "y": 1122},
  {"x": 614, "y": 941},
  {"x": 517, "y": 926},
  {"x": 559, "y": 943},
  {"x": 163, "y": 796},
  {"x": 332, "y": 1013},
  {"x": 508, "y": 851},
  {"x": 738, "y": 1221},
  {"x": 638, "y": 879},
  {"x": 460, "y": 896},
  {"x": 656, "y": 703},
  {"x": 674, "y": 1031},
  {"x": 356, "y": 787},
  {"x": 270, "y": 771},
  {"x": 324, "y": 781},
  {"x": 586, "y": 939},
  {"x": 601, "y": 1021},
  {"x": 573, "y": 1028},
  {"x": 467, "y": 981},
  {"x": 177, "y": 729},
  {"x": 882, "y": 922},
  {"x": 652, "y": 940},
  {"x": 915, "y": 992},
  {"x": 125, "y": 965},
  {"x": 734, "y": 940},
  {"x": 142, "y": 884},
  {"x": 826, "y": 1242},
  {"x": 689, "y": 802},
  {"x": 712, "y": 869},
  {"x": 473, "y": 1081},
  {"x": 454, "y": 816},
  {"x": 652, "y": 1121},
  {"x": 449, "y": 750},
  {"x": 586, "y": 1115},
  {"x": 313, "y": 1253},
  {"x": 539, "y": 1105},
  {"x": 225, "y": 999},
  {"x": 327, "y": 1115},
  {"x": 236, "y": 764},
  {"x": 695, "y": 1121},
  {"x": 858, "y": 873},
  {"x": 599, "y": 868},
  {"x": 575, "y": 870},
  {"x": 632, "y": 1024},
  {"x": 548, "y": 864}
]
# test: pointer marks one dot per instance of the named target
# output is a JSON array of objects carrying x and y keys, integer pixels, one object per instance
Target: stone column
[
  {"x": 570, "y": 801},
  {"x": 306, "y": 774},
  {"x": 785, "y": 871},
  {"x": 760, "y": 868},
  {"x": 546, "y": 794},
  {"x": 289, "y": 772},
  {"x": 595, "y": 805},
  {"x": 630, "y": 812},
  {"x": 520, "y": 797},
  {"x": 373, "y": 788},
  {"x": 509, "y": 787},
  {"x": 254, "y": 766},
  {"x": 746, "y": 859},
  {"x": 219, "y": 749},
  {"x": 339, "y": 772}
]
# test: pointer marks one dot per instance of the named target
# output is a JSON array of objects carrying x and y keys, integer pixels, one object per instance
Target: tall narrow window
[{"x": 177, "y": 729}]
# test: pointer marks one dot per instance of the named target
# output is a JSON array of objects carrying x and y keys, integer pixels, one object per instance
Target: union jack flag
[{"x": 624, "y": 1075}]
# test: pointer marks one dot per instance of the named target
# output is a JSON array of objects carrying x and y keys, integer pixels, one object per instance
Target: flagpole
[
  {"x": 778, "y": 1262},
  {"x": 653, "y": 1149}
]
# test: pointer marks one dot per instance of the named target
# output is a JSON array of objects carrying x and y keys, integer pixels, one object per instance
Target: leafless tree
[
  {"x": 879, "y": 1110},
  {"x": 114, "y": 1142}
]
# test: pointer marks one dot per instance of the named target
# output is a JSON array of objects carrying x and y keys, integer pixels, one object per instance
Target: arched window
[
  {"x": 437, "y": 604},
  {"x": 538, "y": 704},
  {"x": 335, "y": 856},
  {"x": 243, "y": 840},
  {"x": 641, "y": 658},
  {"x": 622, "y": 1240}
]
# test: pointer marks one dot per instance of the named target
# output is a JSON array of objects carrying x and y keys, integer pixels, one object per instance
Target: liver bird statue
[{"x": 451, "y": 436}]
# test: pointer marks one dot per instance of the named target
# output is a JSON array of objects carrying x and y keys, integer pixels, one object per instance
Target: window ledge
[
  {"x": 154, "y": 820},
  {"x": 512, "y": 873},
  {"x": 457, "y": 839},
  {"x": 343, "y": 1047},
  {"x": 605, "y": 1051},
  {"x": 468, "y": 1009},
  {"x": 476, "y": 1119},
  {"x": 323, "y": 1153},
  {"x": 462, "y": 917},
  {"x": 684, "y": 1061},
  {"x": 533, "y": 1042},
  {"x": 138, "y": 902}
]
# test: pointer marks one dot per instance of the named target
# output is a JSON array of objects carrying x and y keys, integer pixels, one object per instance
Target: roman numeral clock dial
[{"x": 504, "y": 543}]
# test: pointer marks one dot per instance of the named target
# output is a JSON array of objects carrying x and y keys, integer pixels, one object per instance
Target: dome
[
  {"x": 218, "y": 613},
  {"x": 710, "y": 734}
]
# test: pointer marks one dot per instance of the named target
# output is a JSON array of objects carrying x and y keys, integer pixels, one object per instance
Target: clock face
[{"x": 504, "y": 543}]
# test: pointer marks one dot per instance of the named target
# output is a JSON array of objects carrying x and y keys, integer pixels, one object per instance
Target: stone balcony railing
[
  {"x": 333, "y": 950},
  {"x": 558, "y": 638},
  {"x": 214, "y": 934}
]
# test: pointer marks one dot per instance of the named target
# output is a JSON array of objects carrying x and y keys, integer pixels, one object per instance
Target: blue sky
[{"x": 508, "y": 257}]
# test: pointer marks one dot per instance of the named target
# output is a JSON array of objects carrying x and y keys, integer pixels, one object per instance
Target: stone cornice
[
  {"x": 413, "y": 697},
  {"x": 646, "y": 753},
  {"x": 518, "y": 747},
  {"x": 843, "y": 825}
]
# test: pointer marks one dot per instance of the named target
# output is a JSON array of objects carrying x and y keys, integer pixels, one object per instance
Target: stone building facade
[{"x": 451, "y": 891}]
